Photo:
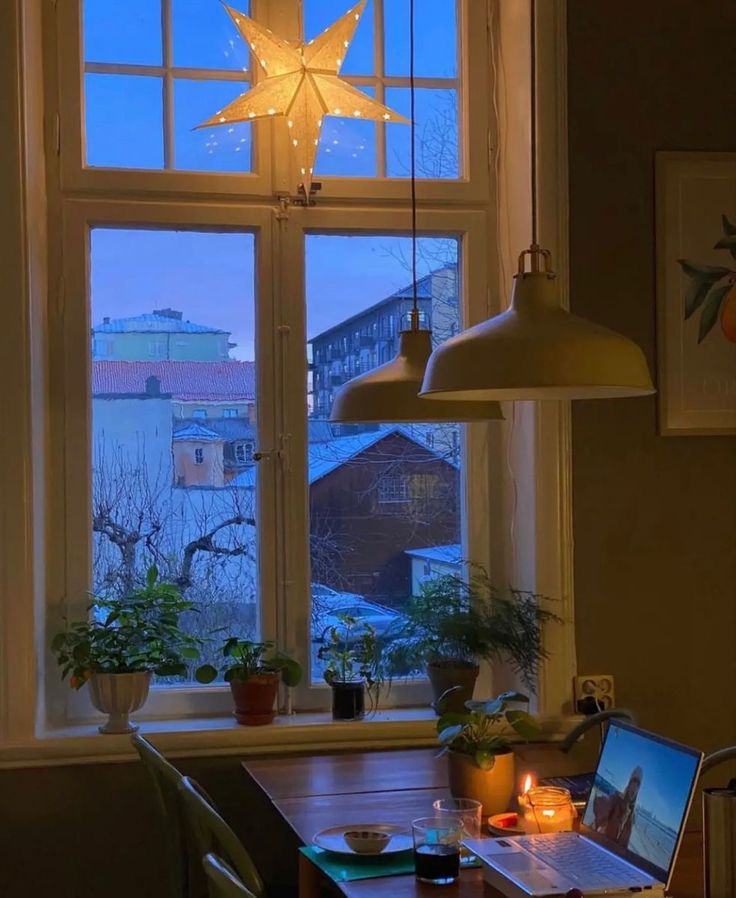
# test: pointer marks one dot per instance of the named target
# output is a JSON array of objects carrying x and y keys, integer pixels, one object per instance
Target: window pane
[
  {"x": 168, "y": 486},
  {"x": 436, "y": 134},
  {"x": 435, "y": 38},
  {"x": 129, "y": 32},
  {"x": 320, "y": 14},
  {"x": 225, "y": 148},
  {"x": 382, "y": 497},
  {"x": 206, "y": 37},
  {"x": 347, "y": 147},
  {"x": 124, "y": 121}
]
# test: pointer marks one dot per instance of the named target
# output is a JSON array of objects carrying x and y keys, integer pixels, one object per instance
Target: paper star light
[{"x": 301, "y": 83}]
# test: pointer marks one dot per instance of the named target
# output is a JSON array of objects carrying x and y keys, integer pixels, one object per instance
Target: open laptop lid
[{"x": 641, "y": 796}]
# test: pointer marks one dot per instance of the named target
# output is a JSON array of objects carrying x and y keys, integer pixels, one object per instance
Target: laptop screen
[{"x": 641, "y": 795}]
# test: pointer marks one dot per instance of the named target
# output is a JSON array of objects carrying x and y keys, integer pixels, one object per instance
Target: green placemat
[{"x": 345, "y": 868}]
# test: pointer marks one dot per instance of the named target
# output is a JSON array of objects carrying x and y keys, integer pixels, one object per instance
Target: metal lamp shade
[
  {"x": 389, "y": 394},
  {"x": 536, "y": 350}
]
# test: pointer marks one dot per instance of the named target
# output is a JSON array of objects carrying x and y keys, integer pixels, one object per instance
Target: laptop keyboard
[{"x": 582, "y": 861}]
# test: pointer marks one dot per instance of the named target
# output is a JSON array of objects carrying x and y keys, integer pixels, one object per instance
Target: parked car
[{"x": 328, "y": 603}]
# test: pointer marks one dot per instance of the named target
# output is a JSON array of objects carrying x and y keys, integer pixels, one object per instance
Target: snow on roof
[
  {"x": 197, "y": 433},
  {"x": 152, "y": 323},
  {"x": 323, "y": 458},
  {"x": 188, "y": 381},
  {"x": 450, "y": 554}
]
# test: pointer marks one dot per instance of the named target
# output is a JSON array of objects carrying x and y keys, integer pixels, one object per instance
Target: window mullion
[
  {"x": 168, "y": 85},
  {"x": 379, "y": 69}
]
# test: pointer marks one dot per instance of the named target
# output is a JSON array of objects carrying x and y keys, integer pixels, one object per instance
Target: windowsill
[{"x": 213, "y": 736}]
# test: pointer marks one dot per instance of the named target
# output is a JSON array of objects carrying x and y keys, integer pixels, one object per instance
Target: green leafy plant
[
  {"x": 245, "y": 659},
  {"x": 712, "y": 288},
  {"x": 138, "y": 632},
  {"x": 351, "y": 652},
  {"x": 481, "y": 731},
  {"x": 456, "y": 620}
]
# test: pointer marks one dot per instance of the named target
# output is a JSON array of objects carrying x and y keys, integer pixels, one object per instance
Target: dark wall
[
  {"x": 91, "y": 831},
  {"x": 654, "y": 517}
]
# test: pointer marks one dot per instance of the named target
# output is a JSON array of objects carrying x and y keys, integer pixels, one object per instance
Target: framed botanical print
[{"x": 696, "y": 292}]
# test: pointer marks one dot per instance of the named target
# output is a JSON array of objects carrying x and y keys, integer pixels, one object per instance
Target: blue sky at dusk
[{"x": 209, "y": 277}]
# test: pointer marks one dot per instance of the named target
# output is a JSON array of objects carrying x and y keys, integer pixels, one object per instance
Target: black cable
[
  {"x": 415, "y": 307},
  {"x": 533, "y": 104}
]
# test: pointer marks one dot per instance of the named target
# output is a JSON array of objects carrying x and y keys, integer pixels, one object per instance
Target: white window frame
[{"x": 539, "y": 443}]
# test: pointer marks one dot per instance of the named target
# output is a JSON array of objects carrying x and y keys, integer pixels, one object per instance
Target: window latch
[{"x": 268, "y": 454}]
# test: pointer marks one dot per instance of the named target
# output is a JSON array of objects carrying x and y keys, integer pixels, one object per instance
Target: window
[
  {"x": 157, "y": 349},
  {"x": 393, "y": 488},
  {"x": 244, "y": 453},
  {"x": 149, "y": 78},
  {"x": 147, "y": 228}
]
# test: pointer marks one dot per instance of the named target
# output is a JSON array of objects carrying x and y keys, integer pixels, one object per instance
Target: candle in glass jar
[{"x": 547, "y": 809}]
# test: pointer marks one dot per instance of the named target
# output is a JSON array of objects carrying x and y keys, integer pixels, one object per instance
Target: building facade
[
  {"x": 370, "y": 338},
  {"x": 163, "y": 334}
]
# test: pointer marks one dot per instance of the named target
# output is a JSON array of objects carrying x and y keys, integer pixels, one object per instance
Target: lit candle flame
[{"x": 528, "y": 783}]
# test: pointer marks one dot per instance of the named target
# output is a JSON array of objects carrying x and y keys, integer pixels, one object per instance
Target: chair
[
  {"x": 222, "y": 881},
  {"x": 212, "y": 835},
  {"x": 166, "y": 779}
]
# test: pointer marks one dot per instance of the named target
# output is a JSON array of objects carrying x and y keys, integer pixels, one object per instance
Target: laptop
[{"x": 630, "y": 830}]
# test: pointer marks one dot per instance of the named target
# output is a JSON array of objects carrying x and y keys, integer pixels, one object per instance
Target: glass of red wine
[{"x": 437, "y": 848}]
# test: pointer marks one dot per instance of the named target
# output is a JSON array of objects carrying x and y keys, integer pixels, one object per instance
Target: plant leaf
[
  {"x": 523, "y": 724},
  {"x": 451, "y": 719},
  {"x": 712, "y": 307},
  {"x": 514, "y": 697},
  {"x": 696, "y": 293},
  {"x": 291, "y": 671},
  {"x": 205, "y": 674},
  {"x": 726, "y": 242},
  {"x": 485, "y": 759},
  {"x": 712, "y": 273},
  {"x": 728, "y": 229},
  {"x": 442, "y": 700},
  {"x": 450, "y": 733}
]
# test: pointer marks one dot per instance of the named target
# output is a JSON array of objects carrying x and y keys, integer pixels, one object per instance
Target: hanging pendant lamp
[
  {"x": 389, "y": 394},
  {"x": 536, "y": 349}
]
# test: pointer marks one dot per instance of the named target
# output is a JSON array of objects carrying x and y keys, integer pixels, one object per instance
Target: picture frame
[{"x": 696, "y": 292}]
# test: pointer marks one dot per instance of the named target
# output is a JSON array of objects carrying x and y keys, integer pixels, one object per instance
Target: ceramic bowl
[{"x": 367, "y": 841}]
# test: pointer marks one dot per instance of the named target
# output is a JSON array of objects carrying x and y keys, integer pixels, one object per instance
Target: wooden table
[
  {"x": 366, "y": 771},
  {"x": 315, "y": 792}
]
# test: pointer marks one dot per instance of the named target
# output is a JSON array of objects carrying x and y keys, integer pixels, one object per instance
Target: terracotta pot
[
  {"x": 443, "y": 676},
  {"x": 348, "y": 700},
  {"x": 492, "y": 788},
  {"x": 118, "y": 695},
  {"x": 254, "y": 698}
]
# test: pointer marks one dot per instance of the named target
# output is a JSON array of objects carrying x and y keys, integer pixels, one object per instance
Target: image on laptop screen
[{"x": 641, "y": 794}]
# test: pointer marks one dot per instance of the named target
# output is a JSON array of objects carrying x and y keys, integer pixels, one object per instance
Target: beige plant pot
[
  {"x": 118, "y": 695},
  {"x": 492, "y": 788}
]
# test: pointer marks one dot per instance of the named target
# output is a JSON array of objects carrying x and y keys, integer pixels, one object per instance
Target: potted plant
[
  {"x": 456, "y": 622},
  {"x": 254, "y": 671},
  {"x": 122, "y": 643},
  {"x": 352, "y": 665},
  {"x": 476, "y": 741}
]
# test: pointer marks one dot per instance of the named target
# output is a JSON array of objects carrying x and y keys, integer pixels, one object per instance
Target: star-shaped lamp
[{"x": 301, "y": 83}]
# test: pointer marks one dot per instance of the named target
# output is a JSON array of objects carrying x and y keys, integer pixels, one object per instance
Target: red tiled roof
[{"x": 193, "y": 381}]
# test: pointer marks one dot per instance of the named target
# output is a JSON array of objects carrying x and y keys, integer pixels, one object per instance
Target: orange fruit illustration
[{"x": 728, "y": 315}]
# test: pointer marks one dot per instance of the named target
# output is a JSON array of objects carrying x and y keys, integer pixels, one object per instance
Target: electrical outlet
[{"x": 593, "y": 693}]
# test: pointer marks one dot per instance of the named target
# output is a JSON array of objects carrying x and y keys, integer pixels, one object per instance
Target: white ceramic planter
[{"x": 118, "y": 695}]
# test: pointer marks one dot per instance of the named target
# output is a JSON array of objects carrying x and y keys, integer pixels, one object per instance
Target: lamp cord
[
  {"x": 412, "y": 92},
  {"x": 533, "y": 161}
]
